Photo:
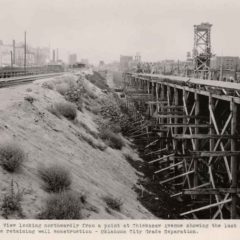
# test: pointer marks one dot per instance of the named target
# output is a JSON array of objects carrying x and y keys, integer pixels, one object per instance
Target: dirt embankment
[{"x": 98, "y": 171}]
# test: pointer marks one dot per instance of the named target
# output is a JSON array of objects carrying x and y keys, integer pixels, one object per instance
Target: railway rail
[{"x": 7, "y": 82}]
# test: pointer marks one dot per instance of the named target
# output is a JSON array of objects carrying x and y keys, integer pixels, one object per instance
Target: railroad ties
[{"x": 190, "y": 138}]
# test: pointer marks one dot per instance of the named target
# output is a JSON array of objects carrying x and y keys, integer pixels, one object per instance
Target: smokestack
[
  {"x": 53, "y": 58},
  {"x": 57, "y": 55}
]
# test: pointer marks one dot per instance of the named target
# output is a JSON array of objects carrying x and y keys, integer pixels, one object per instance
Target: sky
[{"x": 105, "y": 29}]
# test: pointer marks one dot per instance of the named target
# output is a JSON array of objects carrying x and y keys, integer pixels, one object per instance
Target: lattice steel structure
[{"x": 202, "y": 50}]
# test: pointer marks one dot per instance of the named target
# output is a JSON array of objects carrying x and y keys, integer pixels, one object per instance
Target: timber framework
[{"x": 191, "y": 133}]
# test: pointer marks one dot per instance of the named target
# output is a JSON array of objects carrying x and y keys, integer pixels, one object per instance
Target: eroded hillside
[{"x": 99, "y": 171}]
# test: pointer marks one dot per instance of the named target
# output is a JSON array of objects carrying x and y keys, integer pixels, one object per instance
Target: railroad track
[{"x": 25, "y": 79}]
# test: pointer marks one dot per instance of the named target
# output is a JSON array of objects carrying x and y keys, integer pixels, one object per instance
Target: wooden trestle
[{"x": 197, "y": 144}]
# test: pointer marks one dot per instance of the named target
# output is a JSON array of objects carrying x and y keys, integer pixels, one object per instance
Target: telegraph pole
[
  {"x": 14, "y": 53},
  {"x": 11, "y": 59},
  {"x": 25, "y": 51}
]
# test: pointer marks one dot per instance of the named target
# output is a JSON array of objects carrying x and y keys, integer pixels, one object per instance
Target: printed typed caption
[{"x": 119, "y": 228}]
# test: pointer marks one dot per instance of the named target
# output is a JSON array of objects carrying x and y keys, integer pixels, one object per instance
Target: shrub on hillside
[
  {"x": 11, "y": 156},
  {"x": 95, "y": 110},
  {"x": 29, "y": 99},
  {"x": 48, "y": 85},
  {"x": 97, "y": 80},
  {"x": 75, "y": 95},
  {"x": 62, "y": 88},
  {"x": 113, "y": 203},
  {"x": 12, "y": 202},
  {"x": 92, "y": 141},
  {"x": 64, "y": 84},
  {"x": 66, "y": 109},
  {"x": 55, "y": 178},
  {"x": 64, "y": 205},
  {"x": 112, "y": 139},
  {"x": 88, "y": 129},
  {"x": 52, "y": 109}
]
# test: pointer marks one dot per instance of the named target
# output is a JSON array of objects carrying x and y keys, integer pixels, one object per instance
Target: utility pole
[
  {"x": 221, "y": 71},
  {"x": 11, "y": 58},
  {"x": 25, "y": 50},
  {"x": 14, "y": 53}
]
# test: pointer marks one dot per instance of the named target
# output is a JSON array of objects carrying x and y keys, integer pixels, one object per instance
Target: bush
[
  {"x": 52, "y": 109},
  {"x": 48, "y": 85},
  {"x": 75, "y": 96},
  {"x": 11, "y": 156},
  {"x": 65, "y": 205},
  {"x": 62, "y": 88},
  {"x": 112, "y": 139},
  {"x": 88, "y": 129},
  {"x": 95, "y": 110},
  {"x": 28, "y": 90},
  {"x": 29, "y": 99},
  {"x": 113, "y": 203},
  {"x": 92, "y": 142},
  {"x": 65, "y": 84},
  {"x": 56, "y": 178},
  {"x": 68, "y": 110},
  {"x": 12, "y": 202}
]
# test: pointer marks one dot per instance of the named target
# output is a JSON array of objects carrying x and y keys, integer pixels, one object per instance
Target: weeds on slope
[
  {"x": 11, "y": 202},
  {"x": 11, "y": 156},
  {"x": 66, "y": 109},
  {"x": 112, "y": 139},
  {"x": 56, "y": 178},
  {"x": 113, "y": 203},
  {"x": 64, "y": 205}
]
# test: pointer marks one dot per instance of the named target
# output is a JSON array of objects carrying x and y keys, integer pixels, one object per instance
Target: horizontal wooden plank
[
  {"x": 215, "y": 153},
  {"x": 185, "y": 125},
  {"x": 175, "y": 116},
  {"x": 156, "y": 152},
  {"x": 169, "y": 167},
  {"x": 161, "y": 158},
  {"x": 197, "y": 187},
  {"x": 206, "y": 207},
  {"x": 156, "y": 102},
  {"x": 210, "y": 191},
  {"x": 175, "y": 177},
  {"x": 202, "y": 136},
  {"x": 171, "y": 112},
  {"x": 172, "y": 107}
]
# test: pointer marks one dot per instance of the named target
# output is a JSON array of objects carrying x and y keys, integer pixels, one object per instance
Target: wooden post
[
  {"x": 184, "y": 120},
  {"x": 197, "y": 109},
  {"x": 211, "y": 131},
  {"x": 234, "y": 162},
  {"x": 176, "y": 98},
  {"x": 162, "y": 99},
  {"x": 156, "y": 89}
]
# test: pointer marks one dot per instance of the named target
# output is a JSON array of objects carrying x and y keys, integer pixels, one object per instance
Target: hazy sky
[{"x": 104, "y": 29}]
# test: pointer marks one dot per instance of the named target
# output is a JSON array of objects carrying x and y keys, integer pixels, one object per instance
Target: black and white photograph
[{"x": 119, "y": 110}]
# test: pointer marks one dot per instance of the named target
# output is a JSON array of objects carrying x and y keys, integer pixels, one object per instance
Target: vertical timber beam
[
  {"x": 176, "y": 99},
  {"x": 234, "y": 163},
  {"x": 197, "y": 109}
]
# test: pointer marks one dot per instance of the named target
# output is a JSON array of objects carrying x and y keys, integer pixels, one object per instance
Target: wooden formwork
[{"x": 201, "y": 135}]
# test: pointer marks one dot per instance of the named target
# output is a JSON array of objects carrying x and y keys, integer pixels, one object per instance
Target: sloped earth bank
[
  {"x": 155, "y": 197},
  {"x": 48, "y": 139}
]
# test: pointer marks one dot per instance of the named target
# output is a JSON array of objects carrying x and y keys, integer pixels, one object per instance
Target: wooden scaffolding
[{"x": 195, "y": 148}]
